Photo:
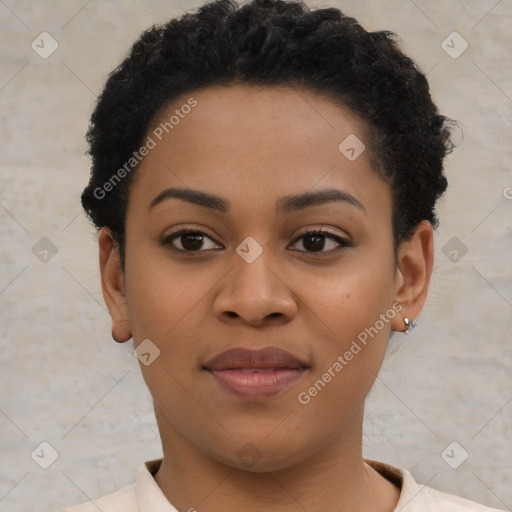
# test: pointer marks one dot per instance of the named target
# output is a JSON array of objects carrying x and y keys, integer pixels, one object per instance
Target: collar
[
  {"x": 409, "y": 489},
  {"x": 150, "y": 497}
]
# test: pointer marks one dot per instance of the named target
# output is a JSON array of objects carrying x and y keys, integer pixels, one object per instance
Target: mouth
[{"x": 256, "y": 374}]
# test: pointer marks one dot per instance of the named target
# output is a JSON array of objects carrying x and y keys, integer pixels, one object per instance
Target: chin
[
  {"x": 262, "y": 455},
  {"x": 261, "y": 462}
]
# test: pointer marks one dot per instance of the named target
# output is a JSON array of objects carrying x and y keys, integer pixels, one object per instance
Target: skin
[{"x": 253, "y": 146}]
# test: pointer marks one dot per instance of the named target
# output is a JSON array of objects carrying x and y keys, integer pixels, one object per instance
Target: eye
[
  {"x": 192, "y": 240},
  {"x": 314, "y": 241}
]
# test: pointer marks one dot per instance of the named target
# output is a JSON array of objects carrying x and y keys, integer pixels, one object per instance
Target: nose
[{"x": 255, "y": 293}]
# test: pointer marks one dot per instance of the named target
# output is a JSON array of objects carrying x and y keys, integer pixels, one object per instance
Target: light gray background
[{"x": 64, "y": 381}]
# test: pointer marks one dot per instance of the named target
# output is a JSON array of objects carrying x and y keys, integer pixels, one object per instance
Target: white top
[{"x": 146, "y": 496}]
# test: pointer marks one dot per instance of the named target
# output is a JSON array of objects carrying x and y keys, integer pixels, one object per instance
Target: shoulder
[
  {"x": 122, "y": 500},
  {"x": 144, "y": 494},
  {"x": 416, "y": 497},
  {"x": 442, "y": 501}
]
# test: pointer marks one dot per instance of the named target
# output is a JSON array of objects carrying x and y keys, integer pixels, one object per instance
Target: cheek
[
  {"x": 166, "y": 305},
  {"x": 160, "y": 296},
  {"x": 352, "y": 324},
  {"x": 351, "y": 300}
]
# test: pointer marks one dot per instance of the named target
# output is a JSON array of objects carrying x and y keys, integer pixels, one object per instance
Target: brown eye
[
  {"x": 192, "y": 240},
  {"x": 315, "y": 241}
]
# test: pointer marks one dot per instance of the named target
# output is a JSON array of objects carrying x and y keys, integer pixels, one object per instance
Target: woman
[{"x": 264, "y": 184}]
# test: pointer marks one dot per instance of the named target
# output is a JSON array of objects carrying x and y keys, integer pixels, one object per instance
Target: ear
[
  {"x": 112, "y": 285},
  {"x": 414, "y": 269}
]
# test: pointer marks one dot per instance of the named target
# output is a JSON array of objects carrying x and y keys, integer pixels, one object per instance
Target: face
[{"x": 305, "y": 285}]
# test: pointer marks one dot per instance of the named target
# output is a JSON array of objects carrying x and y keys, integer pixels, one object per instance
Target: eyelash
[{"x": 167, "y": 241}]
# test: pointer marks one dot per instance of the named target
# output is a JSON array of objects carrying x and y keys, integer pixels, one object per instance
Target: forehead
[
  {"x": 258, "y": 142},
  {"x": 268, "y": 114}
]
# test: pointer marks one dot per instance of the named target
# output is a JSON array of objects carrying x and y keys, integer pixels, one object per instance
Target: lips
[
  {"x": 256, "y": 373},
  {"x": 263, "y": 359}
]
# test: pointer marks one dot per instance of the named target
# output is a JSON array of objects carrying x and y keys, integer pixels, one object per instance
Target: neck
[{"x": 336, "y": 479}]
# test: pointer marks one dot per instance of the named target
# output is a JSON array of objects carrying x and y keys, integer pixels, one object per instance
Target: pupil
[
  {"x": 196, "y": 243},
  {"x": 317, "y": 245}
]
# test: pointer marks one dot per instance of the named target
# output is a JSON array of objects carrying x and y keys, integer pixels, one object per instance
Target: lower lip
[{"x": 257, "y": 384}]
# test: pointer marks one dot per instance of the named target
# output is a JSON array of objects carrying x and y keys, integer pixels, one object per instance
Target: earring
[{"x": 409, "y": 324}]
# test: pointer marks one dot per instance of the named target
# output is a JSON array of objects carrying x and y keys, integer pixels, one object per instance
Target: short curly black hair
[{"x": 274, "y": 42}]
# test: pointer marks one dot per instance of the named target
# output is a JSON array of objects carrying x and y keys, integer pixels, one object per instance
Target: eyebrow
[{"x": 287, "y": 204}]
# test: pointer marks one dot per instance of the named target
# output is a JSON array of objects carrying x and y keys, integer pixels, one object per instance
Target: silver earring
[{"x": 409, "y": 324}]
